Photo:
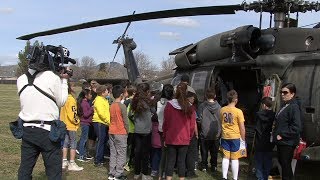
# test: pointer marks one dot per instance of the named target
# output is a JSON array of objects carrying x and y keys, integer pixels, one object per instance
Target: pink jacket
[{"x": 155, "y": 141}]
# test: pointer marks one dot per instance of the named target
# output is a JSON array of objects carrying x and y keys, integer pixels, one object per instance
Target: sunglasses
[{"x": 284, "y": 92}]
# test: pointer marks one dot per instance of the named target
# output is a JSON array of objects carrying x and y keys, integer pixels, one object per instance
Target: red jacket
[{"x": 178, "y": 128}]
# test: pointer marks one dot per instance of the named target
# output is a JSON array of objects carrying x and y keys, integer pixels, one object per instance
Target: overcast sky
[{"x": 155, "y": 38}]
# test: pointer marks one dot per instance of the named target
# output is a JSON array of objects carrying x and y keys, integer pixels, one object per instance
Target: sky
[{"x": 155, "y": 38}]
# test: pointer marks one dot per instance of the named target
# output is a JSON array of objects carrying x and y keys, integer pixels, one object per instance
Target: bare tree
[
  {"x": 167, "y": 66},
  {"x": 87, "y": 67},
  {"x": 146, "y": 68},
  {"x": 76, "y": 70}
]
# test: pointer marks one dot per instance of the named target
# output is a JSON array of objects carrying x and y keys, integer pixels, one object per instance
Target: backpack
[{"x": 210, "y": 125}]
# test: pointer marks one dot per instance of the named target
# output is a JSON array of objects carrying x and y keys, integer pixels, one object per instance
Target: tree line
[{"x": 87, "y": 67}]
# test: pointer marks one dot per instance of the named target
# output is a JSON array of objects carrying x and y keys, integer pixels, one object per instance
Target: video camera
[{"x": 43, "y": 58}]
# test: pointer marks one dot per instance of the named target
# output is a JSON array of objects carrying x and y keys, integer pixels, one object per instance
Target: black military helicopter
[{"x": 251, "y": 60}]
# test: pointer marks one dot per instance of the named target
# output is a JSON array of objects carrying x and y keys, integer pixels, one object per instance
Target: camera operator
[{"x": 38, "y": 111}]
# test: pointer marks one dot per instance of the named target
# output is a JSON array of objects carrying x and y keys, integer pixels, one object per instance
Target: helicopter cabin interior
[{"x": 246, "y": 80}]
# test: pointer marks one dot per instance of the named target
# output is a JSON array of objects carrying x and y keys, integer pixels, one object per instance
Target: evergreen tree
[{"x": 23, "y": 62}]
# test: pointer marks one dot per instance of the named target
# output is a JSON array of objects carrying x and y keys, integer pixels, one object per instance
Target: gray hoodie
[
  {"x": 142, "y": 121},
  {"x": 210, "y": 127}
]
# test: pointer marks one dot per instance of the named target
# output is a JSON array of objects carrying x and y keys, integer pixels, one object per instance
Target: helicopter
[{"x": 253, "y": 61}]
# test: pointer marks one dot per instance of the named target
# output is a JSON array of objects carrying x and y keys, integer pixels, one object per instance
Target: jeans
[
  {"x": 156, "y": 157},
  {"x": 263, "y": 161},
  {"x": 101, "y": 132},
  {"x": 83, "y": 139},
  {"x": 35, "y": 141}
]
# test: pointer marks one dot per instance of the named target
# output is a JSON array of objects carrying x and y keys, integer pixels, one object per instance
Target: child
[
  {"x": 69, "y": 116},
  {"x": 233, "y": 135},
  {"x": 85, "y": 112},
  {"x": 263, "y": 146},
  {"x": 193, "y": 151},
  {"x": 178, "y": 129},
  {"x": 118, "y": 134},
  {"x": 209, "y": 116},
  {"x": 156, "y": 147},
  {"x": 131, "y": 90},
  {"x": 101, "y": 121}
]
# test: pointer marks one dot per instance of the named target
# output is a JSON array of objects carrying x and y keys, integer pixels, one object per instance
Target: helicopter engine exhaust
[{"x": 240, "y": 44}]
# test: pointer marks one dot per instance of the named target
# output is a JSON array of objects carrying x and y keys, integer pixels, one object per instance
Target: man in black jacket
[{"x": 263, "y": 146}]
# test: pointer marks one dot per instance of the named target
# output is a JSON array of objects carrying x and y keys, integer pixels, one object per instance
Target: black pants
[
  {"x": 34, "y": 142},
  {"x": 285, "y": 155},
  {"x": 211, "y": 146},
  {"x": 172, "y": 152},
  {"x": 130, "y": 148},
  {"x": 142, "y": 153},
  {"x": 192, "y": 155}
]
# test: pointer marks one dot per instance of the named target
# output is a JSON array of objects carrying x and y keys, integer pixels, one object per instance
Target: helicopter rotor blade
[
  {"x": 129, "y": 23},
  {"x": 119, "y": 45},
  {"x": 209, "y": 10}
]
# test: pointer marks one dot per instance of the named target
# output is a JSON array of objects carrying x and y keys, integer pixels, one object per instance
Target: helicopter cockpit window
[
  {"x": 198, "y": 83},
  {"x": 176, "y": 80}
]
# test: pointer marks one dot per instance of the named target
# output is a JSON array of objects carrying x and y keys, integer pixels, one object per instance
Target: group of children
[{"x": 141, "y": 130}]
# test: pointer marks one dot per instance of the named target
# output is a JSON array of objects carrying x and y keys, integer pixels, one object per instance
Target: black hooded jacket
[
  {"x": 264, "y": 121},
  {"x": 288, "y": 124}
]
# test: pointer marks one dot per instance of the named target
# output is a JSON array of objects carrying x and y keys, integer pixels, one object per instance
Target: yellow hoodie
[
  {"x": 68, "y": 114},
  {"x": 101, "y": 110}
]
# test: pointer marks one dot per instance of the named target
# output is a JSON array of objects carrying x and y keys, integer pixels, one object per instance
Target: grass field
[{"x": 10, "y": 148}]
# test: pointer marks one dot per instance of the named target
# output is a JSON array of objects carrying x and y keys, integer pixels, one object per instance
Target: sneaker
[
  {"x": 126, "y": 167},
  {"x": 111, "y": 177},
  {"x": 74, "y": 167},
  {"x": 121, "y": 178},
  {"x": 164, "y": 175},
  {"x": 195, "y": 165},
  {"x": 89, "y": 157},
  {"x": 82, "y": 159},
  {"x": 98, "y": 164},
  {"x": 136, "y": 176},
  {"x": 213, "y": 169},
  {"x": 146, "y": 177},
  {"x": 154, "y": 173},
  {"x": 65, "y": 164}
]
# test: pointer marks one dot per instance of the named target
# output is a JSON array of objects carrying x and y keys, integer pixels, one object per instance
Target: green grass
[{"x": 10, "y": 148}]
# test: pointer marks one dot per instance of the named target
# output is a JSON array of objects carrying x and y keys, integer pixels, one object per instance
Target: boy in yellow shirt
[
  {"x": 70, "y": 117},
  {"x": 233, "y": 135},
  {"x": 101, "y": 122}
]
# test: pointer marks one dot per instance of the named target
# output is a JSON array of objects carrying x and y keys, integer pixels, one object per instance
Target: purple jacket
[
  {"x": 156, "y": 139},
  {"x": 86, "y": 118}
]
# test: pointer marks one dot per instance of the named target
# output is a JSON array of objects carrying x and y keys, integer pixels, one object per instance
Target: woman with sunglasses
[{"x": 286, "y": 133}]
